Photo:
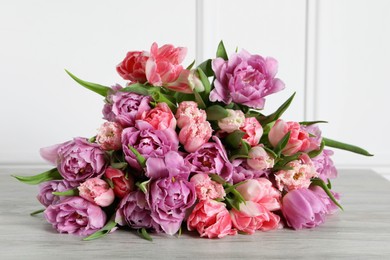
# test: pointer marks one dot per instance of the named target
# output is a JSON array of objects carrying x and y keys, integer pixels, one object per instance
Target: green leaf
[
  {"x": 282, "y": 143},
  {"x": 199, "y": 100},
  {"x": 273, "y": 154},
  {"x": 169, "y": 100},
  {"x": 99, "y": 89},
  {"x": 180, "y": 97},
  {"x": 136, "y": 88},
  {"x": 72, "y": 192},
  {"x": 234, "y": 139},
  {"x": 264, "y": 120},
  {"x": 119, "y": 165},
  {"x": 221, "y": 51},
  {"x": 205, "y": 81},
  {"x": 49, "y": 175},
  {"x": 286, "y": 159},
  {"x": 344, "y": 146},
  {"x": 206, "y": 68},
  {"x": 143, "y": 186},
  {"x": 102, "y": 232},
  {"x": 191, "y": 65},
  {"x": 216, "y": 112},
  {"x": 141, "y": 160},
  {"x": 217, "y": 178},
  {"x": 37, "y": 212},
  {"x": 329, "y": 184},
  {"x": 319, "y": 182},
  {"x": 144, "y": 234},
  {"x": 307, "y": 123},
  {"x": 92, "y": 139},
  {"x": 315, "y": 153}
]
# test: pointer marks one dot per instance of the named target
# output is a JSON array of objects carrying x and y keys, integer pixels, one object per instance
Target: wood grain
[{"x": 362, "y": 231}]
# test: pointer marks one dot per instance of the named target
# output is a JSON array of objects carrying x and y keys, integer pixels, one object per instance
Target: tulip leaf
[
  {"x": 37, "y": 212},
  {"x": 274, "y": 155},
  {"x": 216, "y": 112},
  {"x": 199, "y": 100},
  {"x": 205, "y": 81},
  {"x": 307, "y": 123},
  {"x": 49, "y": 175},
  {"x": 162, "y": 98},
  {"x": 264, "y": 120},
  {"x": 99, "y": 89},
  {"x": 191, "y": 65},
  {"x": 136, "y": 88},
  {"x": 282, "y": 143},
  {"x": 206, "y": 68},
  {"x": 144, "y": 234},
  {"x": 344, "y": 146},
  {"x": 217, "y": 178},
  {"x": 143, "y": 186},
  {"x": 234, "y": 139},
  {"x": 329, "y": 184},
  {"x": 103, "y": 231},
  {"x": 319, "y": 182},
  {"x": 141, "y": 160},
  {"x": 72, "y": 192},
  {"x": 315, "y": 153},
  {"x": 221, "y": 51}
]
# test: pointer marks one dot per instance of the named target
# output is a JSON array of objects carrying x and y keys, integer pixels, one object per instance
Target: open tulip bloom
[{"x": 190, "y": 145}]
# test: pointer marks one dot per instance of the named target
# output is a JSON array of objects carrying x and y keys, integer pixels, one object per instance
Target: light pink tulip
[
  {"x": 160, "y": 117},
  {"x": 187, "y": 82},
  {"x": 211, "y": 219},
  {"x": 259, "y": 159},
  {"x": 234, "y": 121},
  {"x": 299, "y": 139},
  {"x": 98, "y": 191},
  {"x": 252, "y": 216},
  {"x": 188, "y": 112},
  {"x": 261, "y": 191},
  {"x": 253, "y": 131},
  {"x": 195, "y": 135},
  {"x": 163, "y": 65},
  {"x": 298, "y": 177},
  {"x": 109, "y": 136},
  {"x": 206, "y": 188}
]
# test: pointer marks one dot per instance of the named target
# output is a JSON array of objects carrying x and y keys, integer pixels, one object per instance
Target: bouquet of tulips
[{"x": 190, "y": 148}]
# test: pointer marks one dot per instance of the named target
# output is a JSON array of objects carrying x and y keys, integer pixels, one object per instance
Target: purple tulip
[
  {"x": 148, "y": 142},
  {"x": 245, "y": 79},
  {"x": 169, "y": 198},
  {"x": 324, "y": 165},
  {"x": 134, "y": 212},
  {"x": 329, "y": 204},
  {"x": 125, "y": 107},
  {"x": 211, "y": 158},
  {"x": 75, "y": 215},
  {"x": 242, "y": 171},
  {"x": 76, "y": 160},
  {"x": 302, "y": 208},
  {"x": 45, "y": 195},
  {"x": 171, "y": 165}
]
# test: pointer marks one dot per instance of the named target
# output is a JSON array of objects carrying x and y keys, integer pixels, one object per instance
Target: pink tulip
[
  {"x": 98, "y": 191},
  {"x": 299, "y": 139},
  {"x": 234, "y": 121},
  {"x": 195, "y": 135},
  {"x": 211, "y": 219},
  {"x": 160, "y": 117},
  {"x": 163, "y": 65},
  {"x": 252, "y": 216},
  {"x": 122, "y": 184},
  {"x": 259, "y": 159},
  {"x": 133, "y": 66},
  {"x": 253, "y": 131}
]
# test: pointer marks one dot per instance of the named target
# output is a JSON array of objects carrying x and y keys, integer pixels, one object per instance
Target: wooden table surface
[{"x": 361, "y": 231}]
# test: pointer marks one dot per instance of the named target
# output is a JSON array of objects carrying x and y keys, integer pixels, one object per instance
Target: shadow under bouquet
[{"x": 190, "y": 148}]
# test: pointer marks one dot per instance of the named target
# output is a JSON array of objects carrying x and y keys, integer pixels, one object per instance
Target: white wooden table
[{"x": 362, "y": 231}]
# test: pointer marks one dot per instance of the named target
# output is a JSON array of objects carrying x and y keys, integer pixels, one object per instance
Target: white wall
[{"x": 334, "y": 53}]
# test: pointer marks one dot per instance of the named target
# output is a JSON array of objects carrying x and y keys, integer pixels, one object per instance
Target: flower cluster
[{"x": 190, "y": 146}]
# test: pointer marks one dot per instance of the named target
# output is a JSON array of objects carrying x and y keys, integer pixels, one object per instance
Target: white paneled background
[{"x": 333, "y": 53}]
